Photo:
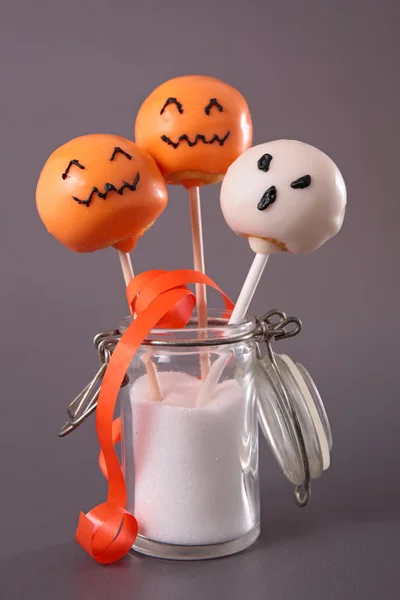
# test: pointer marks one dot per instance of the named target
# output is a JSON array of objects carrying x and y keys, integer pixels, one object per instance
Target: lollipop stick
[
  {"x": 126, "y": 266},
  {"x": 238, "y": 314},
  {"x": 151, "y": 370},
  {"x": 198, "y": 262},
  {"x": 249, "y": 288}
]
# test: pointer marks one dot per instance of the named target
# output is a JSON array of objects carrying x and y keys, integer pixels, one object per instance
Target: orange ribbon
[{"x": 159, "y": 299}]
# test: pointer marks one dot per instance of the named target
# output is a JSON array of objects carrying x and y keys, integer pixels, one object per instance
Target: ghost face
[
  {"x": 100, "y": 190},
  {"x": 194, "y": 127},
  {"x": 284, "y": 196}
]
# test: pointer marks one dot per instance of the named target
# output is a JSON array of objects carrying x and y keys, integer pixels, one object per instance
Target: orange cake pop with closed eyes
[
  {"x": 100, "y": 190},
  {"x": 195, "y": 127}
]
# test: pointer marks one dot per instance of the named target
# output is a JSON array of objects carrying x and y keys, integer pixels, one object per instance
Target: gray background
[{"x": 322, "y": 71}]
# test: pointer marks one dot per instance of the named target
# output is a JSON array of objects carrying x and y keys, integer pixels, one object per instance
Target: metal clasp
[
  {"x": 276, "y": 325},
  {"x": 85, "y": 403}
]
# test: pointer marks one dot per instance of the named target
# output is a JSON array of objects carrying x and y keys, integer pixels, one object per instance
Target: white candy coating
[{"x": 298, "y": 220}]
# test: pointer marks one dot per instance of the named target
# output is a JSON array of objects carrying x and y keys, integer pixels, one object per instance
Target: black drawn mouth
[
  {"x": 109, "y": 187},
  {"x": 199, "y": 137}
]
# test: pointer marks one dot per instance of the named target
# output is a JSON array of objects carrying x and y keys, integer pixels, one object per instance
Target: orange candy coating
[
  {"x": 100, "y": 190},
  {"x": 195, "y": 127}
]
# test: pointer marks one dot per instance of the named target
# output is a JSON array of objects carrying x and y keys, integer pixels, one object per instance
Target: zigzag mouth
[
  {"x": 109, "y": 187},
  {"x": 199, "y": 137}
]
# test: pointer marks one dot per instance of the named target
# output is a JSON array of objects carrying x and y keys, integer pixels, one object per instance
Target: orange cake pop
[
  {"x": 195, "y": 127},
  {"x": 100, "y": 190}
]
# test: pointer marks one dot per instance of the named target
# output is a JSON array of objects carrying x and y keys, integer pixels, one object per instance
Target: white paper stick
[
  {"x": 238, "y": 314},
  {"x": 249, "y": 288}
]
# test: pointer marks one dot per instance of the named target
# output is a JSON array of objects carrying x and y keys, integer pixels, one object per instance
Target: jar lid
[{"x": 293, "y": 419}]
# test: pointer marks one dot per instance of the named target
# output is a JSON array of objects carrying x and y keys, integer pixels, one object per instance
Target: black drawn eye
[
  {"x": 301, "y": 182},
  {"x": 70, "y": 164},
  {"x": 117, "y": 150},
  {"x": 213, "y": 102},
  {"x": 172, "y": 101},
  {"x": 264, "y": 162}
]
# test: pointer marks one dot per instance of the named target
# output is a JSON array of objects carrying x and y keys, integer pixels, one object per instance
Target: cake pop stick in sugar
[
  {"x": 195, "y": 127},
  {"x": 284, "y": 196},
  {"x": 98, "y": 191}
]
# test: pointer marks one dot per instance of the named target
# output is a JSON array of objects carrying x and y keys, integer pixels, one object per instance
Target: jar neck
[{"x": 218, "y": 332}]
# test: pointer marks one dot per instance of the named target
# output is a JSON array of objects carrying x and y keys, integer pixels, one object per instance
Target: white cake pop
[{"x": 284, "y": 195}]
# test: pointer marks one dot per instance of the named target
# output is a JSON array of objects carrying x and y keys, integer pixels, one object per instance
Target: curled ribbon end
[{"x": 107, "y": 532}]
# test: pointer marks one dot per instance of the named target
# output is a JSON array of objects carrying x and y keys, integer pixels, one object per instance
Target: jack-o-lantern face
[
  {"x": 98, "y": 191},
  {"x": 194, "y": 127}
]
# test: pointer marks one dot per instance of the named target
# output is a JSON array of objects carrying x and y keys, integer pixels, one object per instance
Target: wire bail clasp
[
  {"x": 275, "y": 325},
  {"x": 85, "y": 402}
]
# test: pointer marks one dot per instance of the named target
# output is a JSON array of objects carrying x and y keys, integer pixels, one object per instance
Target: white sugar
[{"x": 189, "y": 485}]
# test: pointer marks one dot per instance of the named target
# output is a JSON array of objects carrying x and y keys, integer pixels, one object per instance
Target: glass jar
[
  {"x": 190, "y": 447},
  {"x": 192, "y": 471}
]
